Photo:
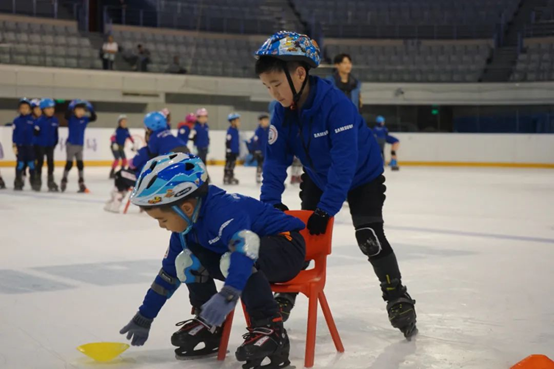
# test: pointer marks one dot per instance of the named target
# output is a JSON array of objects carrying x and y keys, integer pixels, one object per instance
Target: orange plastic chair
[
  {"x": 535, "y": 362},
  {"x": 309, "y": 282}
]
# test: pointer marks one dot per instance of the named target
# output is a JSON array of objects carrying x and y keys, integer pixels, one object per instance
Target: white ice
[{"x": 475, "y": 246}]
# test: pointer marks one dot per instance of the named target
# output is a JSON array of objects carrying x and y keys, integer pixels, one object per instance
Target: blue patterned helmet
[
  {"x": 233, "y": 116},
  {"x": 380, "y": 119},
  {"x": 24, "y": 100},
  {"x": 35, "y": 103},
  {"x": 155, "y": 121},
  {"x": 169, "y": 178},
  {"x": 291, "y": 46},
  {"x": 47, "y": 103}
]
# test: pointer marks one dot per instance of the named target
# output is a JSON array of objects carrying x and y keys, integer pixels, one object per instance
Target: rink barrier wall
[{"x": 416, "y": 149}]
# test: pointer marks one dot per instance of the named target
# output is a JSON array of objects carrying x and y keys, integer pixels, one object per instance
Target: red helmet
[{"x": 191, "y": 118}]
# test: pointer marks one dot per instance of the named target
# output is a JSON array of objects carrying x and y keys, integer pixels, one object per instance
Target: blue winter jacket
[
  {"x": 162, "y": 141},
  {"x": 331, "y": 140},
  {"x": 122, "y": 135},
  {"x": 48, "y": 126},
  {"x": 232, "y": 141},
  {"x": 382, "y": 135},
  {"x": 141, "y": 158},
  {"x": 221, "y": 216},
  {"x": 76, "y": 127},
  {"x": 23, "y": 130},
  {"x": 183, "y": 133},
  {"x": 201, "y": 135},
  {"x": 259, "y": 140}
]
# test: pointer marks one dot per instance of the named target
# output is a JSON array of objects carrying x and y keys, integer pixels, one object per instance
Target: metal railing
[
  {"x": 197, "y": 20},
  {"x": 40, "y": 8}
]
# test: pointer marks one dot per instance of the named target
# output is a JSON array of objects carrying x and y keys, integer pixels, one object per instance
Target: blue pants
[{"x": 280, "y": 260}]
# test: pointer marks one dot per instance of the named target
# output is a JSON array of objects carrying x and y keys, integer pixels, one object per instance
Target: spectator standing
[
  {"x": 343, "y": 79},
  {"x": 109, "y": 51},
  {"x": 143, "y": 58}
]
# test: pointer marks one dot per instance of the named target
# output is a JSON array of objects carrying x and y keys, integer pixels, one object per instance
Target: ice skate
[{"x": 192, "y": 333}]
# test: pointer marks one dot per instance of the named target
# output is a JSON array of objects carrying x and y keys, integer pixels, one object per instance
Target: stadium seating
[
  {"x": 204, "y": 56},
  {"x": 536, "y": 63},
  {"x": 45, "y": 44},
  {"x": 416, "y": 62},
  {"x": 444, "y": 19}
]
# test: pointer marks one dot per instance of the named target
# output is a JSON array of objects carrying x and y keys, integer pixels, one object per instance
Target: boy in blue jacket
[
  {"x": 215, "y": 235},
  {"x": 342, "y": 161},
  {"x": 201, "y": 134},
  {"x": 382, "y": 136},
  {"x": 23, "y": 139},
  {"x": 46, "y": 142},
  {"x": 161, "y": 140},
  {"x": 77, "y": 122},
  {"x": 232, "y": 149},
  {"x": 259, "y": 143}
]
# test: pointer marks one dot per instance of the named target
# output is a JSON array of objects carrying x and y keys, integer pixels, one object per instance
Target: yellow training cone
[{"x": 103, "y": 351}]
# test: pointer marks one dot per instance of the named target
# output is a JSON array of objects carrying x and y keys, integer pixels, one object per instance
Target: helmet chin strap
[
  {"x": 190, "y": 221},
  {"x": 295, "y": 95}
]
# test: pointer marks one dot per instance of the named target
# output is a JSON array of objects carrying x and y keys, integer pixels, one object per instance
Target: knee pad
[
  {"x": 372, "y": 241},
  {"x": 189, "y": 269},
  {"x": 225, "y": 263},
  {"x": 392, "y": 152},
  {"x": 80, "y": 165},
  {"x": 368, "y": 241},
  {"x": 68, "y": 165},
  {"x": 20, "y": 165},
  {"x": 31, "y": 165}
]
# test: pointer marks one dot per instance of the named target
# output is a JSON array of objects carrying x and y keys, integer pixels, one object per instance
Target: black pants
[
  {"x": 202, "y": 154},
  {"x": 125, "y": 179},
  {"x": 230, "y": 163},
  {"x": 280, "y": 260},
  {"x": 366, "y": 208},
  {"x": 259, "y": 157},
  {"x": 40, "y": 152}
]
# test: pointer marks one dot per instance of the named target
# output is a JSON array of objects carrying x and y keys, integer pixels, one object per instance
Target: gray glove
[{"x": 137, "y": 330}]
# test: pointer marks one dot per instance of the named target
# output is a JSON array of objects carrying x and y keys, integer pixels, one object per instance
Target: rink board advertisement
[{"x": 448, "y": 149}]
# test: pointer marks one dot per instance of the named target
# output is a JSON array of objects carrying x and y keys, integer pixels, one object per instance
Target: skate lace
[
  {"x": 255, "y": 333},
  {"x": 184, "y": 323}
]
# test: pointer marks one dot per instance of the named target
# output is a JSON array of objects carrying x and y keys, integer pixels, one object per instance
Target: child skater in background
[
  {"x": 77, "y": 122},
  {"x": 119, "y": 138},
  {"x": 259, "y": 143},
  {"x": 232, "y": 149},
  {"x": 232, "y": 238},
  {"x": 46, "y": 142},
  {"x": 23, "y": 139},
  {"x": 381, "y": 133},
  {"x": 184, "y": 128}
]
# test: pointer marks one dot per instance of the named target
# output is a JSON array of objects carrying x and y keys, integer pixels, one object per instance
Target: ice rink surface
[{"x": 475, "y": 246}]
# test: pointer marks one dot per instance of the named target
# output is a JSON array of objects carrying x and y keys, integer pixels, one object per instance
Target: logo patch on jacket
[
  {"x": 344, "y": 128},
  {"x": 321, "y": 134},
  {"x": 272, "y": 135}
]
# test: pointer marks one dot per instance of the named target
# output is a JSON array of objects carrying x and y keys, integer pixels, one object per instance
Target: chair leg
[
  {"x": 330, "y": 322},
  {"x": 222, "y": 352},
  {"x": 312, "y": 326},
  {"x": 246, "y": 316}
]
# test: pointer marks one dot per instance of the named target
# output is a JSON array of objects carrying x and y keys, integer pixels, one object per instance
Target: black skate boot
[
  {"x": 192, "y": 333},
  {"x": 401, "y": 307},
  {"x": 2, "y": 184},
  {"x": 265, "y": 339},
  {"x": 52, "y": 186},
  {"x": 258, "y": 177},
  {"x": 36, "y": 182},
  {"x": 112, "y": 174},
  {"x": 18, "y": 182},
  {"x": 82, "y": 187},
  {"x": 286, "y": 303},
  {"x": 63, "y": 184},
  {"x": 234, "y": 181}
]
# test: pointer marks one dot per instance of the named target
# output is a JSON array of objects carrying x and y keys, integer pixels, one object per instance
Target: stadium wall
[{"x": 433, "y": 149}]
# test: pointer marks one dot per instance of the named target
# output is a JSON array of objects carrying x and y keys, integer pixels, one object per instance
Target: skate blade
[
  {"x": 411, "y": 333},
  {"x": 286, "y": 364},
  {"x": 197, "y": 356}
]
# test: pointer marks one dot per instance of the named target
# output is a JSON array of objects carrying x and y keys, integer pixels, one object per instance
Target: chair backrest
[{"x": 316, "y": 246}]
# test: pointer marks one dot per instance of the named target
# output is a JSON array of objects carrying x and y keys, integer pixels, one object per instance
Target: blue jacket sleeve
[
  {"x": 277, "y": 160},
  {"x": 153, "y": 301},
  {"x": 241, "y": 265},
  {"x": 390, "y": 139},
  {"x": 344, "y": 158},
  {"x": 14, "y": 126}
]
